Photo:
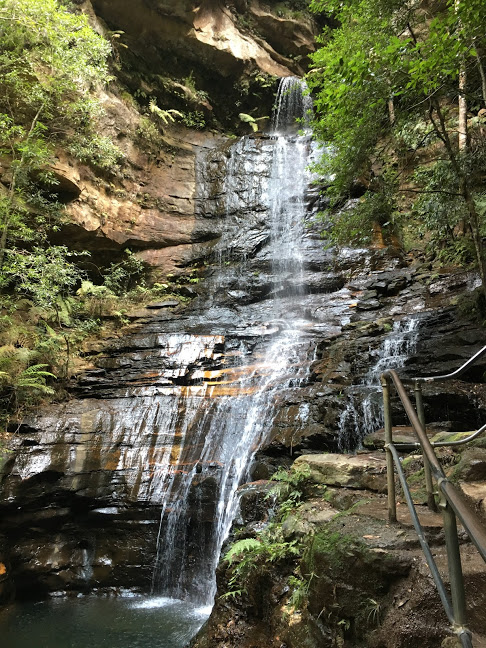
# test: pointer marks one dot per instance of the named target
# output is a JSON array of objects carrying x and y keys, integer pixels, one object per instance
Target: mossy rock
[
  {"x": 449, "y": 437},
  {"x": 471, "y": 466},
  {"x": 349, "y": 579}
]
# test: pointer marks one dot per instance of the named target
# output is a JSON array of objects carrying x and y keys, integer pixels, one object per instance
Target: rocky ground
[{"x": 357, "y": 580}]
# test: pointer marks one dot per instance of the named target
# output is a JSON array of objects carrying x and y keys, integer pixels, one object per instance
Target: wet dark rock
[
  {"x": 169, "y": 303},
  {"x": 255, "y": 502},
  {"x": 368, "y": 304}
]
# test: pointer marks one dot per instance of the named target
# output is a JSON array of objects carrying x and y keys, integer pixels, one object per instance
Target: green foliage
[
  {"x": 300, "y": 586},
  {"x": 290, "y": 489},
  {"x": 122, "y": 276},
  {"x": 333, "y": 547},
  {"x": 165, "y": 116},
  {"x": 51, "y": 61},
  {"x": 97, "y": 150},
  {"x": 357, "y": 224},
  {"x": 22, "y": 383},
  {"x": 374, "y": 612},
  {"x": 194, "y": 119},
  {"x": 351, "y": 86},
  {"x": 295, "y": 478},
  {"x": 383, "y": 80},
  {"x": 148, "y": 135},
  {"x": 439, "y": 212},
  {"x": 42, "y": 274},
  {"x": 34, "y": 377},
  {"x": 241, "y": 547},
  {"x": 248, "y": 119},
  {"x": 250, "y": 554},
  {"x": 49, "y": 58}
]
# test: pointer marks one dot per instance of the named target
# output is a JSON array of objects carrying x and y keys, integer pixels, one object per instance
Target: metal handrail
[
  {"x": 452, "y": 501},
  {"x": 443, "y": 444},
  {"x": 421, "y": 536},
  {"x": 455, "y": 498},
  {"x": 458, "y": 372}
]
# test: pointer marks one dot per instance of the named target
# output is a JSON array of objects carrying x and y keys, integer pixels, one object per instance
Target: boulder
[
  {"x": 364, "y": 471},
  {"x": 472, "y": 465}
]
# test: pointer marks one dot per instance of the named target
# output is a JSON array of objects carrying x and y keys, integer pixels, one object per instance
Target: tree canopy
[
  {"x": 51, "y": 61},
  {"x": 387, "y": 83}
]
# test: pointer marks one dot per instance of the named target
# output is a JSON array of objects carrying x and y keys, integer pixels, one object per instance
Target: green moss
[
  {"x": 449, "y": 437},
  {"x": 332, "y": 548}
]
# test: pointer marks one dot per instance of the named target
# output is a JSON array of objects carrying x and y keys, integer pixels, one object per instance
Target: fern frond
[
  {"x": 165, "y": 115},
  {"x": 242, "y": 546},
  {"x": 37, "y": 370}
]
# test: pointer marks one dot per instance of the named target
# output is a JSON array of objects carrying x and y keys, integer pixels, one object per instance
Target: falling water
[
  {"x": 200, "y": 487},
  {"x": 293, "y": 103},
  {"x": 363, "y": 413}
]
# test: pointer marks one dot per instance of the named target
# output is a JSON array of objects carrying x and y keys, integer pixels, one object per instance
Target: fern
[
  {"x": 241, "y": 547},
  {"x": 248, "y": 119},
  {"x": 34, "y": 378},
  {"x": 165, "y": 115}
]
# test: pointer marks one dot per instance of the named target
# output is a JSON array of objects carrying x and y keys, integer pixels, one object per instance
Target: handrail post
[
  {"x": 458, "y": 595},
  {"x": 419, "y": 402},
  {"x": 390, "y": 471}
]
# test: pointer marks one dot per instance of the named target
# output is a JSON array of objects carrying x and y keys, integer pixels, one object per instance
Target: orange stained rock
[
  {"x": 378, "y": 241},
  {"x": 221, "y": 390},
  {"x": 111, "y": 463},
  {"x": 213, "y": 390},
  {"x": 175, "y": 454},
  {"x": 229, "y": 371},
  {"x": 201, "y": 463},
  {"x": 3, "y": 569}
]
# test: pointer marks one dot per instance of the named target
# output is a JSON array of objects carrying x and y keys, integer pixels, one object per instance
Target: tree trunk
[
  {"x": 482, "y": 74},
  {"x": 462, "y": 128},
  {"x": 391, "y": 111},
  {"x": 464, "y": 190}
]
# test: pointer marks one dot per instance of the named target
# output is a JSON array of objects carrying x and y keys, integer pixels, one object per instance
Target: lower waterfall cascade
[
  {"x": 363, "y": 413},
  {"x": 166, "y": 427}
]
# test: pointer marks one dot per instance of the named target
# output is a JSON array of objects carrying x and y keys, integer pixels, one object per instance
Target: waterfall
[
  {"x": 363, "y": 413},
  {"x": 200, "y": 487},
  {"x": 293, "y": 103}
]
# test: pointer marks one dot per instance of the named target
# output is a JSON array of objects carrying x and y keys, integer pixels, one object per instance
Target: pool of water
[{"x": 101, "y": 623}]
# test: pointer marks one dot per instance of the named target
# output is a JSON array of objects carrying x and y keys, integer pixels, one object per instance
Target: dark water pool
[{"x": 100, "y": 623}]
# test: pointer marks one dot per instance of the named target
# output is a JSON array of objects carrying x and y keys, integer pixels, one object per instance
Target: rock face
[
  {"x": 361, "y": 471},
  {"x": 215, "y": 43},
  {"x": 149, "y": 207},
  {"x": 90, "y": 475}
]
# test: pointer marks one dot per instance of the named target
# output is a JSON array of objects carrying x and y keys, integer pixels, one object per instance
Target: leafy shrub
[
  {"x": 43, "y": 274},
  {"x": 125, "y": 275},
  {"x": 96, "y": 150},
  {"x": 194, "y": 119}
]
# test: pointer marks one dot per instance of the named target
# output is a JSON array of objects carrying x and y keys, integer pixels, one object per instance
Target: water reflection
[{"x": 101, "y": 623}]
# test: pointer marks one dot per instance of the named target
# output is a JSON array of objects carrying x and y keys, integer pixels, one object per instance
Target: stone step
[
  {"x": 405, "y": 434},
  {"x": 378, "y": 508}
]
